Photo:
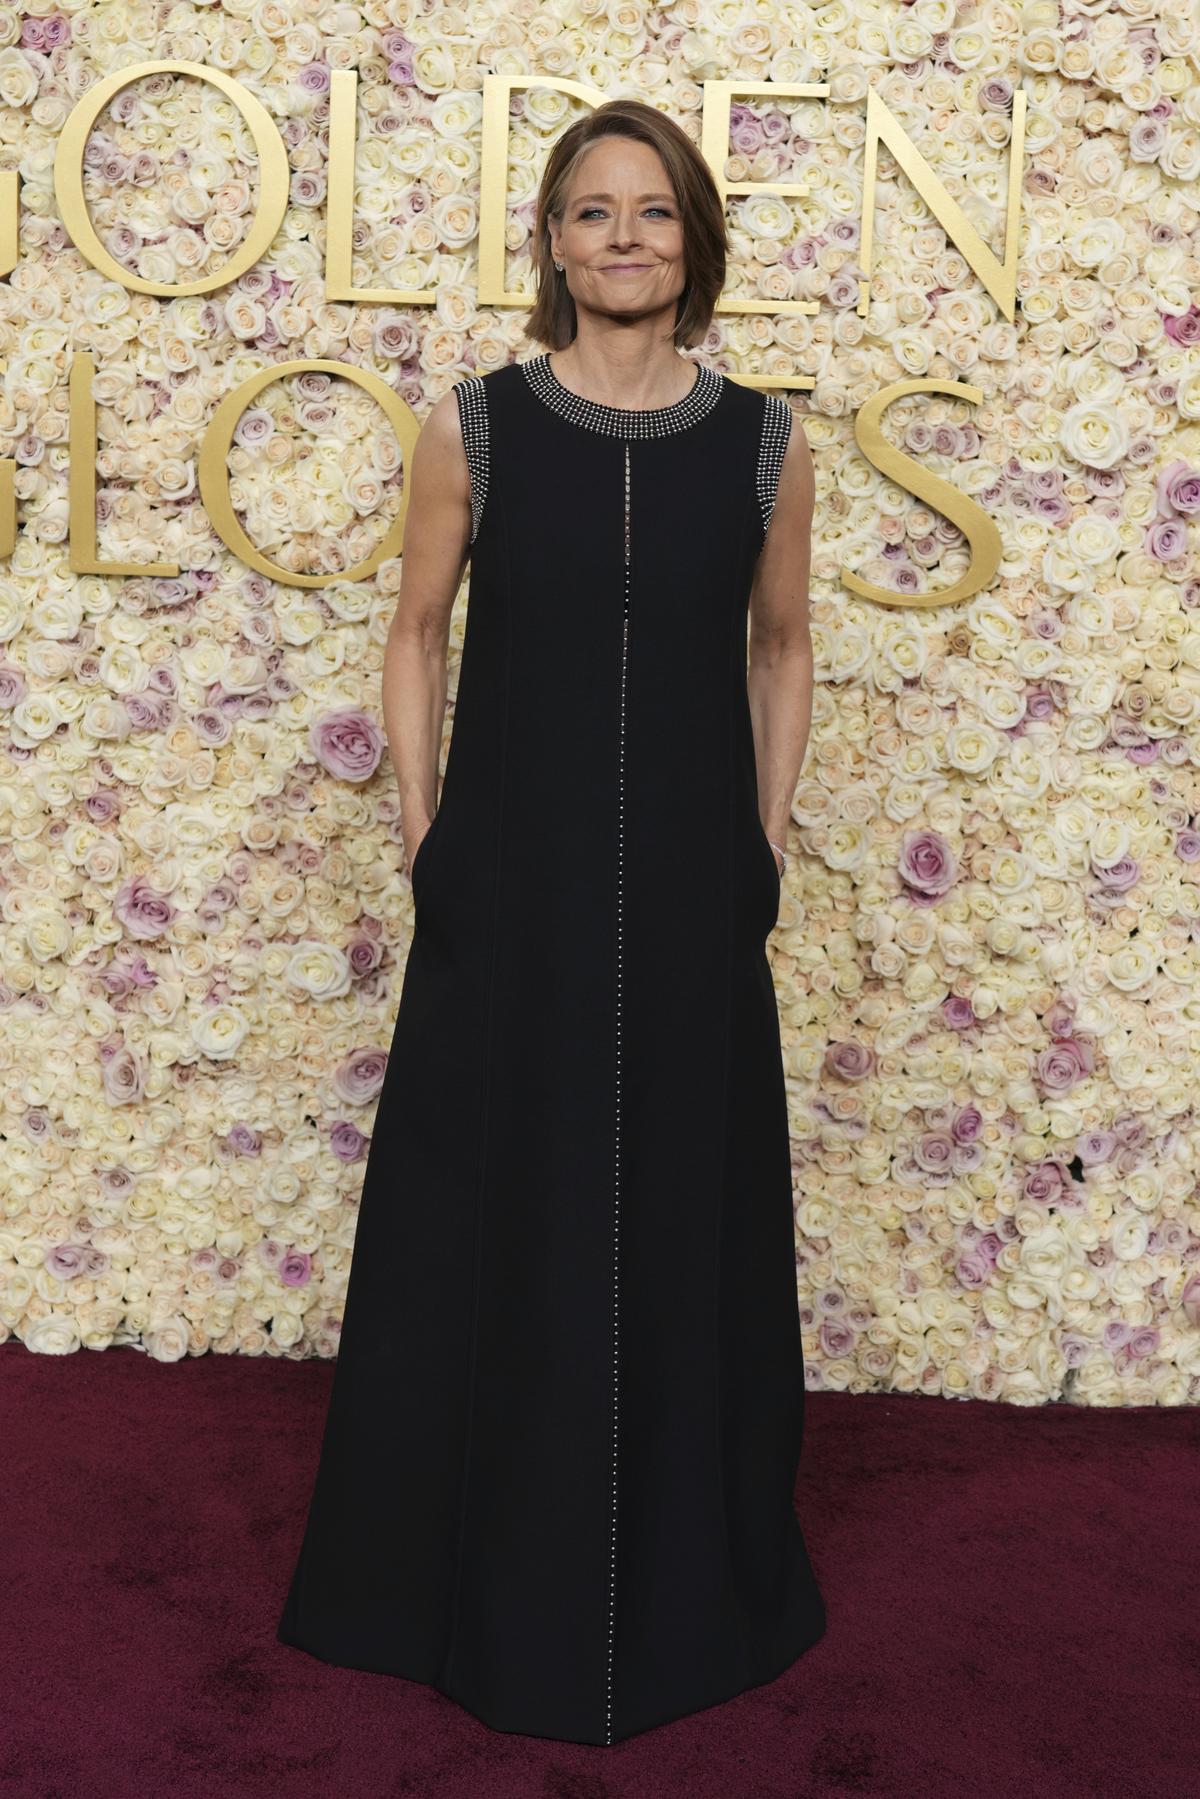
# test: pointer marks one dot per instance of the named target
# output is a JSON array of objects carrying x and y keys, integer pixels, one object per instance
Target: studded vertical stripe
[
  {"x": 473, "y": 417},
  {"x": 616, "y": 1316},
  {"x": 776, "y": 428}
]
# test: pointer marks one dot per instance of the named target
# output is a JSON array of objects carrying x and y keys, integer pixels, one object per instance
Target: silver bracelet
[{"x": 783, "y": 853}]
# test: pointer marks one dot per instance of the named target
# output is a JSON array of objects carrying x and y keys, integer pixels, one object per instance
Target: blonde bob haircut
[{"x": 705, "y": 238}]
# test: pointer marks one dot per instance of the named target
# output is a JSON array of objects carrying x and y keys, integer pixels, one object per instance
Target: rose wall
[{"x": 989, "y": 939}]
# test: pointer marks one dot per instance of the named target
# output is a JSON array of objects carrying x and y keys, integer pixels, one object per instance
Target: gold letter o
[
  {"x": 214, "y": 479},
  {"x": 272, "y": 170}
]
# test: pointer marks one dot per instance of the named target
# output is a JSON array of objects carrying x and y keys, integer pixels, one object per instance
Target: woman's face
[{"x": 621, "y": 235}]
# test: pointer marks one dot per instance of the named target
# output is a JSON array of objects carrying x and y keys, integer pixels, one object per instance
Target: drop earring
[{"x": 559, "y": 266}]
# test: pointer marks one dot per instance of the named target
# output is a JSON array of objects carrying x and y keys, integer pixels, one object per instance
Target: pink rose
[
  {"x": 1191, "y": 1301},
  {"x": 967, "y": 1125},
  {"x": 1062, "y": 1063},
  {"x": 359, "y": 1078},
  {"x": 1060, "y": 1019},
  {"x": 64, "y": 1261},
  {"x": 347, "y": 1142},
  {"x": 348, "y": 743},
  {"x": 1178, "y": 488},
  {"x": 850, "y": 1061},
  {"x": 140, "y": 910},
  {"x": 1120, "y": 876},
  {"x": 934, "y": 1152},
  {"x": 972, "y": 1270},
  {"x": 121, "y": 1076},
  {"x": 927, "y": 865},
  {"x": 1045, "y": 1181},
  {"x": 1183, "y": 327},
  {"x": 1095, "y": 1146},
  {"x": 295, "y": 1269},
  {"x": 364, "y": 956},
  {"x": 836, "y": 1338},
  {"x": 1166, "y": 539}
]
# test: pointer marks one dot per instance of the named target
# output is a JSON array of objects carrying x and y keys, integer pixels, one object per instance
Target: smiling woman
[
  {"x": 557, "y": 1475},
  {"x": 660, "y": 214}
]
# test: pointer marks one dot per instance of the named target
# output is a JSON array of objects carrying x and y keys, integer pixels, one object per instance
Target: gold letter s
[{"x": 971, "y": 519}]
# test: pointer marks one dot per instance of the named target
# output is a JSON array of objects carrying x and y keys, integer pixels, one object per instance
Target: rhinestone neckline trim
[{"x": 621, "y": 421}]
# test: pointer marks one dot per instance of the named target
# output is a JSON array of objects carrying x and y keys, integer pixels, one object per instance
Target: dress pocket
[
  {"x": 416, "y": 873},
  {"x": 766, "y": 842},
  {"x": 776, "y": 879}
]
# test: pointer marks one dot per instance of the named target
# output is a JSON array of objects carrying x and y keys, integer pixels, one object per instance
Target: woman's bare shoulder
[{"x": 443, "y": 421}]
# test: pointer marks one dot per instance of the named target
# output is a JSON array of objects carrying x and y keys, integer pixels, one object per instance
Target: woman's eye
[{"x": 588, "y": 210}]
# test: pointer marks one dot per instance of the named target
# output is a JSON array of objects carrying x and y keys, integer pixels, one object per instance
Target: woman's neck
[{"x": 628, "y": 370}]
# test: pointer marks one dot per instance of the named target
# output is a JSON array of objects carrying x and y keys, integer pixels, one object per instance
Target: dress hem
[{"x": 484, "y": 1715}]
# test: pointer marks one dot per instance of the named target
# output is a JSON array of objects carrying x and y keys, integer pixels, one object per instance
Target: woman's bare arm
[
  {"x": 780, "y": 678},
  {"x": 437, "y": 531}
]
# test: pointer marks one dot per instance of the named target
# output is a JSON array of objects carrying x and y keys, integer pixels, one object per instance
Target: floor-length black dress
[{"x": 557, "y": 1471}]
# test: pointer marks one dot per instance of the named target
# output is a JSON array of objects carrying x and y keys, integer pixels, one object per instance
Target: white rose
[
  {"x": 1130, "y": 1235},
  {"x": 1094, "y": 434},
  {"x": 219, "y": 1032},
  {"x": 846, "y": 846},
  {"x": 1110, "y": 841},
  {"x": 299, "y": 617},
  {"x": 433, "y": 67},
  {"x": 168, "y": 1341},
  {"x": 1095, "y": 241},
  {"x": 971, "y": 747},
  {"x": 58, "y": 615},
  {"x": 18, "y": 83},
  {"x": 905, "y": 649},
  {"x": 47, "y": 936},
  {"x": 456, "y": 115},
  {"x": 319, "y": 969},
  {"x": 1094, "y": 539},
  {"x": 35, "y": 718},
  {"x": 286, "y": 1328},
  {"x": 52, "y": 1335},
  {"x": 1131, "y": 967}
]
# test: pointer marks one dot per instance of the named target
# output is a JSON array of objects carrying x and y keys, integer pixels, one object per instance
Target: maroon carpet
[{"x": 1012, "y": 1599}]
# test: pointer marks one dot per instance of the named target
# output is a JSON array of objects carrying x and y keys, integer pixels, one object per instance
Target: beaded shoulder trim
[
  {"x": 621, "y": 421},
  {"x": 776, "y": 429},
  {"x": 473, "y": 417}
]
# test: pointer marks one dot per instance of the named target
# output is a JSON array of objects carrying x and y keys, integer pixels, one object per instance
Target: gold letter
[
  {"x": 1000, "y": 279},
  {"x": 714, "y": 147},
  {"x": 8, "y": 506},
  {"x": 10, "y": 218},
  {"x": 339, "y": 204},
  {"x": 272, "y": 172},
  {"x": 971, "y": 519},
  {"x": 81, "y": 489},
  {"x": 214, "y": 475}
]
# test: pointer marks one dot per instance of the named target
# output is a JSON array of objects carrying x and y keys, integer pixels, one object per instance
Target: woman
[{"x": 557, "y": 1472}]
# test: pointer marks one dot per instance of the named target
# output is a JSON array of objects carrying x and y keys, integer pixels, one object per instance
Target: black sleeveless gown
[{"x": 556, "y": 1479}]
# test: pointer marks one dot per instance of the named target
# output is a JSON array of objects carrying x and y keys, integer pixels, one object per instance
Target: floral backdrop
[{"x": 989, "y": 939}]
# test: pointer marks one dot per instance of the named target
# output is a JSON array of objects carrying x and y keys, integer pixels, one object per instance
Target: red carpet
[{"x": 1012, "y": 1598}]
